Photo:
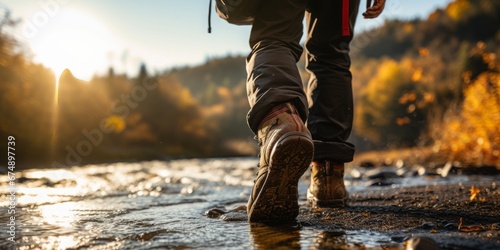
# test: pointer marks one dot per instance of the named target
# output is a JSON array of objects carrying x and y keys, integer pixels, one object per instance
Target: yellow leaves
[
  {"x": 403, "y": 121},
  {"x": 115, "y": 122},
  {"x": 429, "y": 97},
  {"x": 224, "y": 92},
  {"x": 395, "y": 96},
  {"x": 474, "y": 192},
  {"x": 473, "y": 136},
  {"x": 408, "y": 27},
  {"x": 490, "y": 59},
  {"x": 215, "y": 110},
  {"x": 417, "y": 75},
  {"x": 456, "y": 9},
  {"x": 423, "y": 51},
  {"x": 185, "y": 98},
  {"x": 407, "y": 97}
]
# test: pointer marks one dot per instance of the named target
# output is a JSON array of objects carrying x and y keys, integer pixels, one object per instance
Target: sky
[{"x": 89, "y": 36}]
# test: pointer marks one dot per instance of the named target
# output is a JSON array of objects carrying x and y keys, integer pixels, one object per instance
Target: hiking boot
[
  {"x": 286, "y": 151},
  {"x": 327, "y": 187}
]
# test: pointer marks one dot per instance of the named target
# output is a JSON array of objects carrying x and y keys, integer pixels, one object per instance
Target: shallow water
[{"x": 161, "y": 205}]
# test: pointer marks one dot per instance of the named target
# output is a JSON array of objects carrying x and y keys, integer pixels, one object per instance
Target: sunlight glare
[
  {"x": 60, "y": 242},
  {"x": 55, "y": 114},
  {"x": 74, "y": 40},
  {"x": 61, "y": 214}
]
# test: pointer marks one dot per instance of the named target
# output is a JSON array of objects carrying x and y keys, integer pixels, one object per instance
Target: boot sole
[{"x": 278, "y": 198}]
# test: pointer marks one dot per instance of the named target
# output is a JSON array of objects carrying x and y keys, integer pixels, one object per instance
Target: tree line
[{"x": 425, "y": 82}]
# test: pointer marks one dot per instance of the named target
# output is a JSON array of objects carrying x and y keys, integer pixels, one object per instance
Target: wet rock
[
  {"x": 23, "y": 179},
  {"x": 382, "y": 174},
  {"x": 421, "y": 243},
  {"x": 421, "y": 171},
  {"x": 356, "y": 174},
  {"x": 428, "y": 225},
  {"x": 367, "y": 164},
  {"x": 445, "y": 169},
  {"x": 47, "y": 183},
  {"x": 381, "y": 183},
  {"x": 334, "y": 234},
  {"x": 238, "y": 213},
  {"x": 399, "y": 238},
  {"x": 235, "y": 216},
  {"x": 451, "y": 226},
  {"x": 239, "y": 209},
  {"x": 306, "y": 224},
  {"x": 215, "y": 213},
  {"x": 400, "y": 163},
  {"x": 482, "y": 170}
]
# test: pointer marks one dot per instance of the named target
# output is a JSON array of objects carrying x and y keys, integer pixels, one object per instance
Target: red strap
[{"x": 345, "y": 18}]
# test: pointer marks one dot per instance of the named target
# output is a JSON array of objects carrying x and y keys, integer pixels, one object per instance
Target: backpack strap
[{"x": 210, "y": 17}]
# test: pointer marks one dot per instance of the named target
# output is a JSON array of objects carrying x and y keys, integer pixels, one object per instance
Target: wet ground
[{"x": 198, "y": 204}]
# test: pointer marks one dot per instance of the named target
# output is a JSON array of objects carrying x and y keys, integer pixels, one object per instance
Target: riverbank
[{"x": 163, "y": 204}]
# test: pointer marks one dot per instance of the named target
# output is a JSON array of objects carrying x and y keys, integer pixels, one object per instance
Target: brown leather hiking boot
[
  {"x": 327, "y": 187},
  {"x": 286, "y": 150}
]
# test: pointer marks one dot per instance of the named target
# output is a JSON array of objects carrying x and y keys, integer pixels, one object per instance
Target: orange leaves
[
  {"x": 403, "y": 121},
  {"x": 407, "y": 97},
  {"x": 457, "y": 9},
  {"x": 474, "y": 192},
  {"x": 473, "y": 135},
  {"x": 116, "y": 123},
  {"x": 417, "y": 75},
  {"x": 469, "y": 229},
  {"x": 423, "y": 51}
]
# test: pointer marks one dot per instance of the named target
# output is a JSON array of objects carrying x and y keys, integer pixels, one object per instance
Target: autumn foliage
[
  {"x": 430, "y": 82},
  {"x": 472, "y": 134}
]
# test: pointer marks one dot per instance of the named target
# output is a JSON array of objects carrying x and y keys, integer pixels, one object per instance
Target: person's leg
[
  {"x": 278, "y": 110},
  {"x": 273, "y": 76},
  {"x": 330, "y": 30}
]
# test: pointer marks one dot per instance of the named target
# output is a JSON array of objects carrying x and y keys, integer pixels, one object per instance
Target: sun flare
[{"x": 74, "y": 40}]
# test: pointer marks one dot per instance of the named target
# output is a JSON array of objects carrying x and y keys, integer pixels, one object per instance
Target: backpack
[{"x": 239, "y": 12}]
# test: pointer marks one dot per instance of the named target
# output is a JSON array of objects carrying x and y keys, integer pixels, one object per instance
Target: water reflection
[
  {"x": 62, "y": 214},
  {"x": 60, "y": 242},
  {"x": 297, "y": 236},
  {"x": 330, "y": 240},
  {"x": 274, "y": 237}
]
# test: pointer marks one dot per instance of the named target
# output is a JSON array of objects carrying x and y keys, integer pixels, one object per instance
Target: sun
[{"x": 74, "y": 40}]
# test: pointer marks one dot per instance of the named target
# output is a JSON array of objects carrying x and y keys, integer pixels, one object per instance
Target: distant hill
[
  {"x": 203, "y": 80},
  {"x": 462, "y": 21},
  {"x": 410, "y": 78}
]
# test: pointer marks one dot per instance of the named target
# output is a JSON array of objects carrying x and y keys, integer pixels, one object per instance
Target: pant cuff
[{"x": 333, "y": 151}]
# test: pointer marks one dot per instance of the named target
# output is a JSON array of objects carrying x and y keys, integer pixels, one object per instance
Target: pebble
[
  {"x": 382, "y": 174},
  {"x": 214, "y": 213},
  {"x": 367, "y": 164},
  {"x": 234, "y": 216},
  {"x": 399, "y": 238},
  {"x": 427, "y": 225},
  {"x": 451, "y": 226},
  {"x": 238, "y": 213}
]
